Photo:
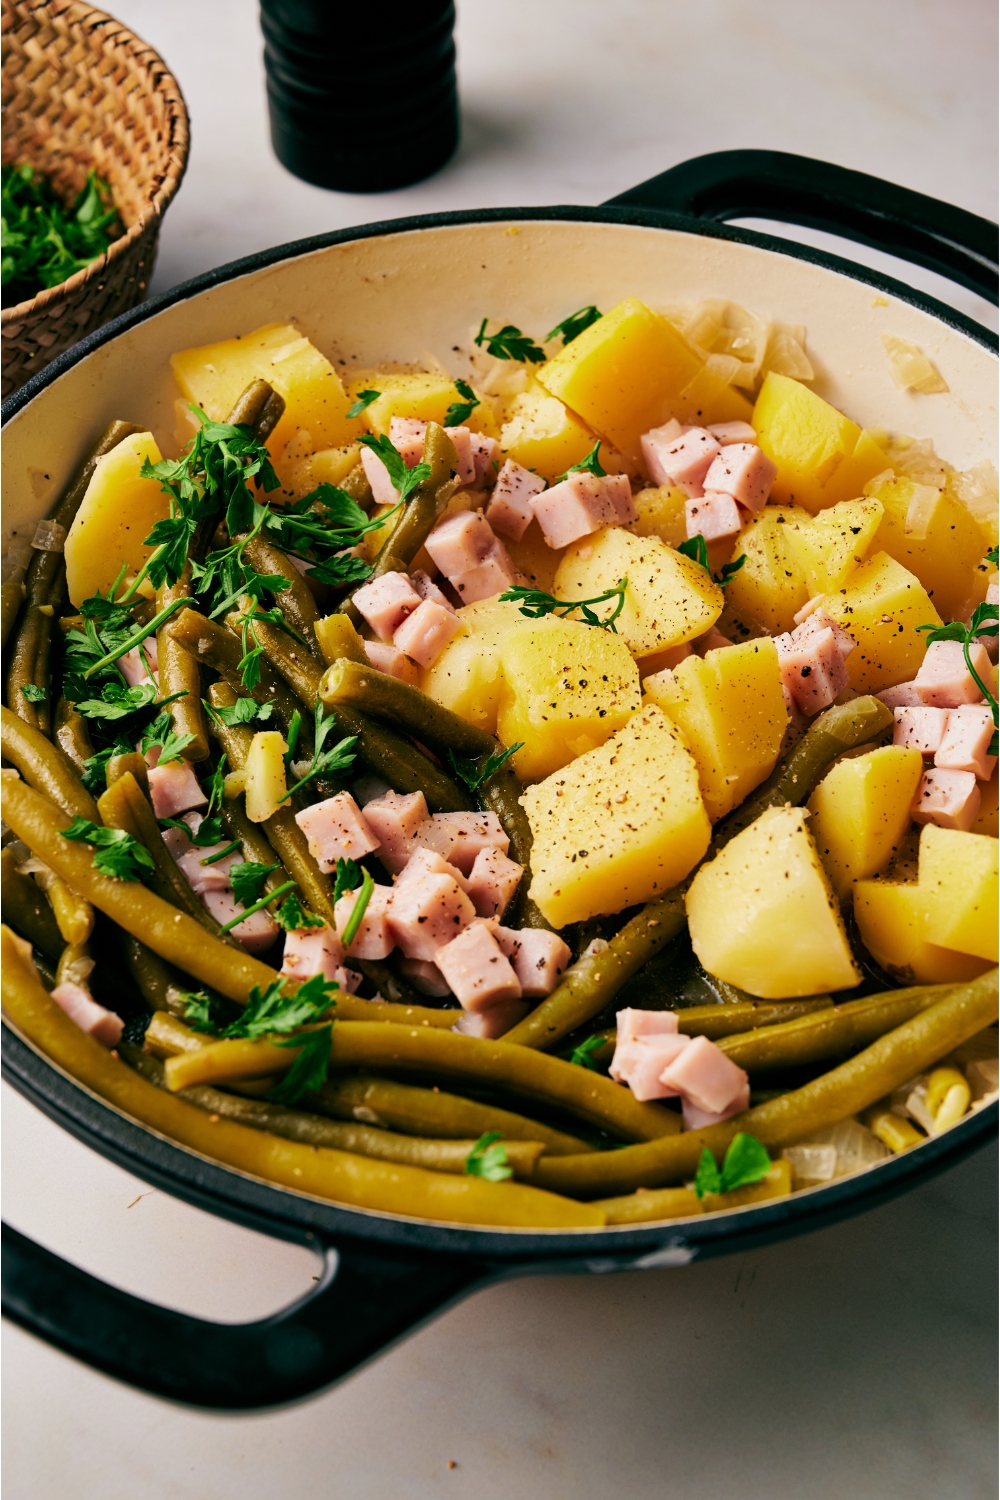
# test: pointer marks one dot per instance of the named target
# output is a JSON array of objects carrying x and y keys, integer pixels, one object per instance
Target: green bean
[
  {"x": 661, "y": 1203},
  {"x": 356, "y": 484},
  {"x": 255, "y": 405},
  {"x": 74, "y": 914},
  {"x": 337, "y": 637},
  {"x": 27, "y": 910},
  {"x": 256, "y": 846},
  {"x": 12, "y": 596},
  {"x": 592, "y": 982},
  {"x": 385, "y": 1187},
  {"x": 44, "y": 766},
  {"x": 158, "y": 983},
  {"x": 130, "y": 763},
  {"x": 75, "y": 965},
  {"x": 296, "y": 602},
  {"x": 957, "y": 1012},
  {"x": 405, "y": 767},
  {"x": 295, "y": 662},
  {"x": 72, "y": 735},
  {"x": 219, "y": 649},
  {"x": 715, "y": 1021},
  {"x": 177, "y": 671},
  {"x": 419, "y": 1111}
]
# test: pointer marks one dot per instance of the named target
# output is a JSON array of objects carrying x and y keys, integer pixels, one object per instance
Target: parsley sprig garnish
[
  {"x": 309, "y": 1069},
  {"x": 571, "y": 328},
  {"x": 33, "y": 694},
  {"x": 243, "y": 711},
  {"x": 292, "y": 915},
  {"x": 696, "y": 548},
  {"x": 247, "y": 880},
  {"x": 488, "y": 1158},
  {"x": 358, "y": 910},
  {"x": 116, "y": 853},
  {"x": 589, "y": 465},
  {"x": 582, "y": 1055},
  {"x": 361, "y": 402},
  {"x": 325, "y": 762},
  {"x": 744, "y": 1163},
  {"x": 509, "y": 343},
  {"x": 473, "y": 774},
  {"x": 404, "y": 480},
  {"x": 983, "y": 622},
  {"x": 461, "y": 411},
  {"x": 275, "y": 1011},
  {"x": 43, "y": 242},
  {"x": 161, "y": 733},
  {"x": 536, "y": 602},
  {"x": 346, "y": 878}
]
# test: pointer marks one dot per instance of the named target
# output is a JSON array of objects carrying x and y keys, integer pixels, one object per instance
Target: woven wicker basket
[{"x": 81, "y": 91}]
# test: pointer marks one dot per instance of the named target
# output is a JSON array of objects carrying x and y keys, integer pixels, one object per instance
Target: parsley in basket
[{"x": 44, "y": 243}]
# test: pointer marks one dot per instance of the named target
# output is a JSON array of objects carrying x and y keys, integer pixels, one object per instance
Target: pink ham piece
[
  {"x": 509, "y": 511},
  {"x": 965, "y": 743},
  {"x": 476, "y": 969},
  {"x": 394, "y": 819},
  {"x": 425, "y": 977},
  {"x": 485, "y": 456},
  {"x": 920, "y": 729},
  {"x": 539, "y": 958},
  {"x": 944, "y": 681},
  {"x": 132, "y": 666},
  {"x": 904, "y": 695},
  {"x": 426, "y": 913},
  {"x": 391, "y": 660},
  {"x": 704, "y": 1075},
  {"x": 383, "y": 490},
  {"x": 386, "y": 602},
  {"x": 310, "y": 951},
  {"x": 462, "y": 438},
  {"x": 424, "y": 634},
  {"x": 731, "y": 432},
  {"x": 641, "y": 1062},
  {"x": 256, "y": 934},
  {"x": 744, "y": 472},
  {"x": 427, "y": 862},
  {"x": 679, "y": 456},
  {"x": 950, "y": 799},
  {"x": 202, "y": 878},
  {"x": 714, "y": 517},
  {"x": 699, "y": 1119},
  {"x": 812, "y": 660},
  {"x": 174, "y": 789},
  {"x": 83, "y": 1010},
  {"x": 492, "y": 576},
  {"x": 578, "y": 505},
  {"x": 460, "y": 542},
  {"x": 618, "y": 491},
  {"x": 407, "y": 436},
  {"x": 492, "y": 882},
  {"x": 487, "y": 1025},
  {"x": 632, "y": 1023},
  {"x": 373, "y": 938},
  {"x": 428, "y": 589},
  {"x": 336, "y": 829},
  {"x": 458, "y": 837}
]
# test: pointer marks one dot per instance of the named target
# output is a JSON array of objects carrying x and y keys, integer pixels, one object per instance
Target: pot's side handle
[
  {"x": 798, "y": 190},
  {"x": 363, "y": 1300}
]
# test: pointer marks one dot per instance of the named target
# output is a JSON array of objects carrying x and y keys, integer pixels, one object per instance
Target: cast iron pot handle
[
  {"x": 363, "y": 1300},
  {"x": 797, "y": 190}
]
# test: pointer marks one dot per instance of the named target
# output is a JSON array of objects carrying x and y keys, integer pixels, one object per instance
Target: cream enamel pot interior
[{"x": 390, "y": 292}]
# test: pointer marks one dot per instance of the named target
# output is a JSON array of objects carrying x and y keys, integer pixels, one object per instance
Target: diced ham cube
[
  {"x": 177, "y": 843},
  {"x": 681, "y": 459},
  {"x": 83, "y": 1010},
  {"x": 425, "y": 977},
  {"x": 310, "y": 951},
  {"x": 944, "y": 681},
  {"x": 704, "y": 1074},
  {"x": 539, "y": 958},
  {"x": 424, "y": 634},
  {"x": 509, "y": 511},
  {"x": 700, "y": 1119},
  {"x": 577, "y": 506},
  {"x": 966, "y": 741},
  {"x": 632, "y": 1023},
  {"x": 812, "y": 668},
  {"x": 920, "y": 729},
  {"x": 458, "y": 837},
  {"x": 386, "y": 602},
  {"x": 428, "y": 589},
  {"x": 373, "y": 938},
  {"x": 816, "y": 622},
  {"x": 732, "y": 432},
  {"x": 392, "y": 660},
  {"x": 423, "y": 861},
  {"x": 336, "y": 829},
  {"x": 256, "y": 933},
  {"x": 492, "y": 882},
  {"x": 950, "y": 799},
  {"x": 174, "y": 788},
  {"x": 407, "y": 436},
  {"x": 462, "y": 438},
  {"x": 492, "y": 1023},
  {"x": 744, "y": 472},
  {"x": 904, "y": 695},
  {"x": 383, "y": 490},
  {"x": 619, "y": 491},
  {"x": 492, "y": 576},
  {"x": 712, "y": 516},
  {"x": 349, "y": 980},
  {"x": 460, "y": 542},
  {"x": 200, "y": 877},
  {"x": 640, "y": 1064},
  {"x": 476, "y": 969},
  {"x": 133, "y": 667},
  {"x": 427, "y": 913},
  {"x": 486, "y": 457},
  {"x": 394, "y": 819}
]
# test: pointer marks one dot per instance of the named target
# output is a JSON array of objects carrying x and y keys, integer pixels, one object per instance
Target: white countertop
[{"x": 857, "y": 1361}]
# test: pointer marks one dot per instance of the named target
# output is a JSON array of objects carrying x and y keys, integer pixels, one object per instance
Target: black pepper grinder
[{"x": 360, "y": 104}]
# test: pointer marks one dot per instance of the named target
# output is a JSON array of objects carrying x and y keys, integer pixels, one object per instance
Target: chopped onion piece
[
  {"x": 910, "y": 369},
  {"x": 856, "y": 1147},
  {"x": 785, "y": 353},
  {"x": 920, "y": 510},
  {"x": 984, "y": 1077},
  {"x": 811, "y": 1164}
]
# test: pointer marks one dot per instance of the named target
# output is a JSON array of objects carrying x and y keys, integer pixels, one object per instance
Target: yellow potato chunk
[
  {"x": 771, "y": 585},
  {"x": 466, "y": 676},
  {"x": 819, "y": 452},
  {"x": 566, "y": 688},
  {"x": 264, "y": 775},
  {"x": 860, "y": 811},
  {"x": 301, "y": 470},
  {"x": 630, "y": 371},
  {"x": 931, "y": 534},
  {"x": 731, "y": 711},
  {"x": 892, "y": 921},
  {"x": 762, "y": 915},
  {"x": 620, "y": 825},
  {"x": 541, "y": 435},
  {"x": 988, "y": 817},
  {"x": 881, "y": 606},
  {"x": 417, "y": 395},
  {"x": 216, "y": 375},
  {"x": 117, "y": 513},
  {"x": 660, "y": 513},
  {"x": 670, "y": 598},
  {"x": 830, "y": 546},
  {"x": 958, "y": 874}
]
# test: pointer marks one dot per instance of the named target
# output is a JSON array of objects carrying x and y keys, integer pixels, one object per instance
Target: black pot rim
[{"x": 280, "y": 1211}]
